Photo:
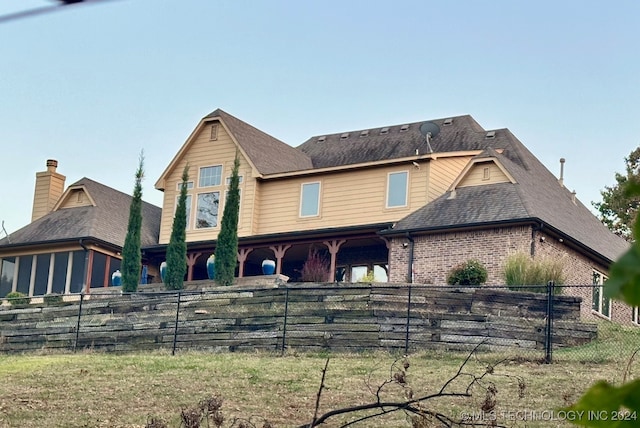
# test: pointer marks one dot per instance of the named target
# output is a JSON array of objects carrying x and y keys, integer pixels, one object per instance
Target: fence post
[
  {"x": 175, "y": 328},
  {"x": 75, "y": 345},
  {"x": 406, "y": 337},
  {"x": 286, "y": 313},
  {"x": 548, "y": 342}
]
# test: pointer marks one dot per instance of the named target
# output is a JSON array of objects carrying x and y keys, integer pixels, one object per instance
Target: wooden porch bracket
[
  {"x": 279, "y": 251},
  {"x": 191, "y": 261},
  {"x": 243, "y": 253},
  {"x": 333, "y": 246}
]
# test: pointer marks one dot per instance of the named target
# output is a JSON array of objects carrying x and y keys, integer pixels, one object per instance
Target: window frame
[
  {"x": 635, "y": 315},
  {"x": 598, "y": 299},
  {"x": 406, "y": 189},
  {"x": 219, "y": 176},
  {"x": 227, "y": 180},
  {"x": 217, "y": 213},
  {"x": 188, "y": 206},
  {"x": 301, "y": 213},
  {"x": 189, "y": 185}
]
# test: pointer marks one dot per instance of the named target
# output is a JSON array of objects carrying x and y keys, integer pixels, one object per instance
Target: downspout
[
  {"x": 410, "y": 264},
  {"x": 534, "y": 229}
]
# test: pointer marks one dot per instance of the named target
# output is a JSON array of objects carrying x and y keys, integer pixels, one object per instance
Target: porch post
[
  {"x": 333, "y": 246},
  {"x": 279, "y": 251},
  {"x": 191, "y": 261},
  {"x": 243, "y": 253}
]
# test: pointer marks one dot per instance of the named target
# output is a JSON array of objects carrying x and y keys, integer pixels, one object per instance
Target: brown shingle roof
[
  {"x": 375, "y": 144},
  {"x": 106, "y": 221},
  {"x": 268, "y": 154},
  {"x": 536, "y": 196}
]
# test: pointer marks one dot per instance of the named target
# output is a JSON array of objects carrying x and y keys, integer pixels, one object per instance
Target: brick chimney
[{"x": 49, "y": 188}]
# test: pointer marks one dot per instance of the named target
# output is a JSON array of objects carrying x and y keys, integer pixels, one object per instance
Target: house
[
  {"x": 404, "y": 202},
  {"x": 75, "y": 237}
]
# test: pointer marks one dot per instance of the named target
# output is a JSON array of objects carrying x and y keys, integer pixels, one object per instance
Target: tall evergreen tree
[
  {"x": 177, "y": 248},
  {"x": 227, "y": 247},
  {"x": 131, "y": 256}
]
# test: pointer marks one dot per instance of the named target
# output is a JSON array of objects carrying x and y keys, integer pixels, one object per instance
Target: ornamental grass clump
[{"x": 523, "y": 273}]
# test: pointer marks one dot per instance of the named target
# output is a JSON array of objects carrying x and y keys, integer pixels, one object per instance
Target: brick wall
[{"x": 436, "y": 254}]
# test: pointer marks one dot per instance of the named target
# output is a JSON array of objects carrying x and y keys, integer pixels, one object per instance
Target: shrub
[
  {"x": 52, "y": 299},
  {"x": 471, "y": 272},
  {"x": 521, "y": 270},
  {"x": 315, "y": 268},
  {"x": 369, "y": 277},
  {"x": 17, "y": 298}
]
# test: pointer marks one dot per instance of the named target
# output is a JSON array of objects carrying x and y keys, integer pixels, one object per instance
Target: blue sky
[{"x": 94, "y": 84}]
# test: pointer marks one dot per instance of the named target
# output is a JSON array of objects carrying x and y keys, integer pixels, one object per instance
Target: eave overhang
[
  {"x": 536, "y": 223},
  {"x": 288, "y": 237}
]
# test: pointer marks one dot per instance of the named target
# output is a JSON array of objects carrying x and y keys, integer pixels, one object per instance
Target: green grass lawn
[{"x": 126, "y": 390}]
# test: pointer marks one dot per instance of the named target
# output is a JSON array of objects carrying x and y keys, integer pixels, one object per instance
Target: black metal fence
[{"x": 408, "y": 318}]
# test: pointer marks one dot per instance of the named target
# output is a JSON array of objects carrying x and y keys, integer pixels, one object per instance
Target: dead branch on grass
[{"x": 416, "y": 407}]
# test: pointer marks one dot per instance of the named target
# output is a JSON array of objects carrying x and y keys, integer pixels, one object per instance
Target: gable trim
[
  {"x": 473, "y": 162},
  {"x": 160, "y": 183},
  {"x": 67, "y": 194}
]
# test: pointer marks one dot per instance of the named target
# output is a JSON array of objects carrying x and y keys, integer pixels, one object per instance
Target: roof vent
[
  {"x": 344, "y": 136},
  {"x": 403, "y": 128},
  {"x": 448, "y": 121},
  {"x": 384, "y": 131},
  {"x": 322, "y": 139},
  {"x": 364, "y": 133},
  {"x": 490, "y": 134}
]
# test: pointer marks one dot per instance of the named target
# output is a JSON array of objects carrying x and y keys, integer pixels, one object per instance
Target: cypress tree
[
  {"x": 227, "y": 247},
  {"x": 131, "y": 256},
  {"x": 177, "y": 248}
]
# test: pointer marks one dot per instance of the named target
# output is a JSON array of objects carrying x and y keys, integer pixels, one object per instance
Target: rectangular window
[
  {"x": 60, "y": 264},
  {"x": 207, "y": 211},
  {"x": 310, "y": 199},
  {"x": 228, "y": 180},
  {"x": 98, "y": 269},
  {"x": 7, "y": 272},
  {"x": 77, "y": 271},
  {"x": 210, "y": 176},
  {"x": 599, "y": 302},
  {"x": 189, "y": 185},
  {"x": 24, "y": 274},
  {"x": 42, "y": 274},
  {"x": 187, "y": 202},
  {"x": 397, "y": 189}
]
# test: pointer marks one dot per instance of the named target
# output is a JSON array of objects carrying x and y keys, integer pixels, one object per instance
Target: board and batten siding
[
  {"x": 204, "y": 152},
  {"x": 443, "y": 172},
  {"x": 347, "y": 198}
]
